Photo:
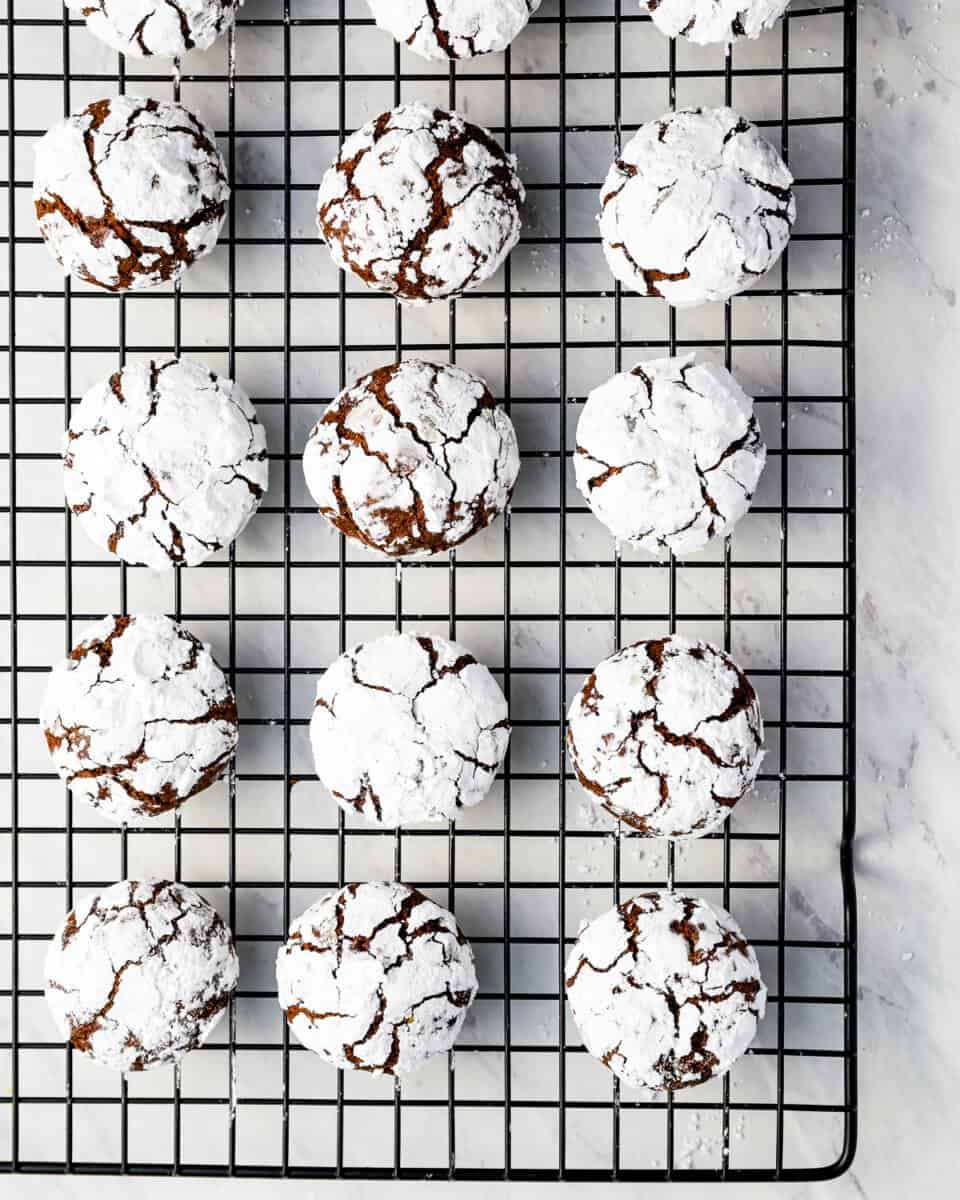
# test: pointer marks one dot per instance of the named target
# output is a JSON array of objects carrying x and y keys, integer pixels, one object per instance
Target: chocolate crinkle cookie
[
  {"x": 420, "y": 204},
  {"x": 164, "y": 463},
  {"x": 665, "y": 990},
  {"x": 408, "y": 728},
  {"x": 666, "y": 735},
  {"x": 697, "y": 207},
  {"x": 376, "y": 978},
  {"x": 129, "y": 193},
  {"x": 708, "y": 21},
  {"x": 157, "y": 28},
  {"x": 412, "y": 459},
  {"x": 140, "y": 973},
  {"x": 669, "y": 454},
  {"x": 139, "y": 718},
  {"x": 445, "y": 29}
]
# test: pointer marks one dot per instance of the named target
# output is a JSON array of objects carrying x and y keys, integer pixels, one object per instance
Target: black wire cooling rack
[{"x": 541, "y": 597}]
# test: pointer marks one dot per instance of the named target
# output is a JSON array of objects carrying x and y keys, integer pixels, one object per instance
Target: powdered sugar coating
[
  {"x": 445, "y": 29},
  {"x": 697, "y": 207},
  {"x": 161, "y": 28},
  {"x": 412, "y": 459},
  {"x": 165, "y": 463},
  {"x": 376, "y": 978},
  {"x": 665, "y": 990},
  {"x": 421, "y": 204},
  {"x": 709, "y": 21},
  {"x": 139, "y": 718},
  {"x": 669, "y": 454},
  {"x": 140, "y": 973},
  {"x": 408, "y": 729},
  {"x": 129, "y": 192},
  {"x": 666, "y": 735}
]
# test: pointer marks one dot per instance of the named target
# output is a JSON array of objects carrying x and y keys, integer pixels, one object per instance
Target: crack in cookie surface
[
  {"x": 666, "y": 735},
  {"x": 452, "y": 29},
  {"x": 665, "y": 990},
  {"x": 408, "y": 728},
  {"x": 710, "y": 21},
  {"x": 413, "y": 459},
  {"x": 161, "y": 28},
  {"x": 376, "y": 977},
  {"x": 139, "y": 718}
]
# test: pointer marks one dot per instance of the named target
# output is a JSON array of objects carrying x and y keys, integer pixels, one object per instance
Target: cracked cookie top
[
  {"x": 420, "y": 204},
  {"x": 707, "y": 21},
  {"x": 408, "y": 728},
  {"x": 669, "y": 454},
  {"x": 129, "y": 193},
  {"x": 696, "y": 208},
  {"x": 157, "y": 28},
  {"x": 412, "y": 459},
  {"x": 666, "y": 735},
  {"x": 665, "y": 990},
  {"x": 140, "y": 973},
  {"x": 376, "y": 978},
  {"x": 164, "y": 463},
  {"x": 139, "y": 718},
  {"x": 445, "y": 29}
]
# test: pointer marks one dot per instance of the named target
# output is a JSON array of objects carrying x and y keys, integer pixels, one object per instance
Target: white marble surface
[{"x": 909, "y": 714}]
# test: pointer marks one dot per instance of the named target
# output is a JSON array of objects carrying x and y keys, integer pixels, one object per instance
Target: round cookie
[
  {"x": 421, "y": 204},
  {"x": 710, "y": 21},
  {"x": 669, "y": 454},
  {"x": 139, "y": 718},
  {"x": 140, "y": 973},
  {"x": 376, "y": 978},
  {"x": 665, "y": 990},
  {"x": 129, "y": 193},
  {"x": 697, "y": 207},
  {"x": 408, "y": 729},
  {"x": 412, "y": 459},
  {"x": 164, "y": 463},
  {"x": 451, "y": 29},
  {"x": 157, "y": 28},
  {"x": 666, "y": 735}
]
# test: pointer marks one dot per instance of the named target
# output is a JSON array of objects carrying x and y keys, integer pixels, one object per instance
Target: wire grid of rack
[{"x": 541, "y": 597}]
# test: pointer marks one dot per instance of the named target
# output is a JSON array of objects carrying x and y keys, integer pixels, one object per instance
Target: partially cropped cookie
[
  {"x": 408, "y": 728},
  {"x": 451, "y": 29},
  {"x": 376, "y": 978},
  {"x": 421, "y": 204},
  {"x": 412, "y": 459},
  {"x": 157, "y": 28},
  {"x": 708, "y": 21},
  {"x": 140, "y": 973},
  {"x": 139, "y": 718},
  {"x": 129, "y": 193},
  {"x": 669, "y": 454},
  {"x": 666, "y": 735},
  {"x": 665, "y": 990},
  {"x": 697, "y": 207},
  {"x": 164, "y": 463}
]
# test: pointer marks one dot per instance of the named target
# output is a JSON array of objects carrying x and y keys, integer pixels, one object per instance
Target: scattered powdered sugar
[
  {"x": 696, "y": 208},
  {"x": 139, "y": 717},
  {"x": 165, "y": 463},
  {"x": 413, "y": 459},
  {"x": 165, "y": 28},
  {"x": 376, "y": 978},
  {"x": 128, "y": 193},
  {"x": 408, "y": 728},
  {"x": 666, "y": 735},
  {"x": 420, "y": 204},
  {"x": 445, "y": 29},
  {"x": 139, "y": 974},
  {"x": 706, "y": 21},
  {"x": 665, "y": 990},
  {"x": 669, "y": 454}
]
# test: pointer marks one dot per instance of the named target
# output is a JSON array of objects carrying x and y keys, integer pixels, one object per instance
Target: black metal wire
[{"x": 405, "y": 1107}]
